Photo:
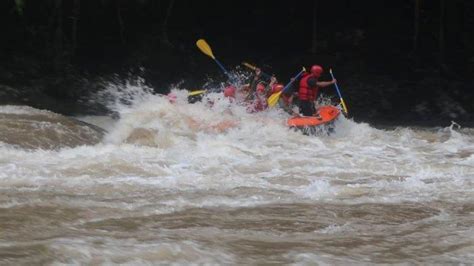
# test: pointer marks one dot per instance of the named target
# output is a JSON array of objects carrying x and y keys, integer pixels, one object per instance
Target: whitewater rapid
[{"x": 211, "y": 183}]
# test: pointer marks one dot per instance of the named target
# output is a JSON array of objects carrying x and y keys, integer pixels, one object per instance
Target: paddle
[
  {"x": 206, "y": 49},
  {"x": 273, "y": 99},
  {"x": 254, "y": 67},
  {"x": 197, "y": 92},
  {"x": 339, "y": 93}
]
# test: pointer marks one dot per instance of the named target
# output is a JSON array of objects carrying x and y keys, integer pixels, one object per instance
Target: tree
[
  {"x": 416, "y": 25},
  {"x": 164, "y": 33},
  {"x": 75, "y": 19},
  {"x": 315, "y": 24},
  {"x": 442, "y": 21},
  {"x": 120, "y": 21},
  {"x": 19, "y": 6},
  {"x": 58, "y": 34}
]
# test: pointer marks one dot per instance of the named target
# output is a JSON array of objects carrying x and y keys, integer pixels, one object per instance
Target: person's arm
[
  {"x": 253, "y": 84},
  {"x": 269, "y": 87},
  {"x": 323, "y": 84}
]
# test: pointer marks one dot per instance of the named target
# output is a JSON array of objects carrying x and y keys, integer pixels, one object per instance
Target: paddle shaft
[
  {"x": 222, "y": 67},
  {"x": 293, "y": 80},
  {"x": 273, "y": 99},
  {"x": 339, "y": 93},
  {"x": 267, "y": 76}
]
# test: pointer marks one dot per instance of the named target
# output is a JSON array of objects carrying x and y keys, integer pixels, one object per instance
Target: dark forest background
[{"x": 407, "y": 61}]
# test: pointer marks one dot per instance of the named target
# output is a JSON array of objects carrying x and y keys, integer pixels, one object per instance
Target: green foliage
[{"x": 19, "y": 6}]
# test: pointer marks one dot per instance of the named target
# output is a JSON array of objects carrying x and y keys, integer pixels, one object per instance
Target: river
[{"x": 212, "y": 184}]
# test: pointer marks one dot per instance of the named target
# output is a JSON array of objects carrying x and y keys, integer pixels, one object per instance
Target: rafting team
[{"x": 258, "y": 92}]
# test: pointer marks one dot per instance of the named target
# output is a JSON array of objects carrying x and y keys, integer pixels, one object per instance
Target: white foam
[{"x": 182, "y": 151}]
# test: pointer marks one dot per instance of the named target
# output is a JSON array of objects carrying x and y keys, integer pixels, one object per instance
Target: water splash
[{"x": 169, "y": 180}]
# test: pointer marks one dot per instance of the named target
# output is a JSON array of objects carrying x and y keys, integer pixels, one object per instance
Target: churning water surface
[{"x": 200, "y": 183}]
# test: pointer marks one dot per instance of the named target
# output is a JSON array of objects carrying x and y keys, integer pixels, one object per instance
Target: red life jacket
[{"x": 305, "y": 93}]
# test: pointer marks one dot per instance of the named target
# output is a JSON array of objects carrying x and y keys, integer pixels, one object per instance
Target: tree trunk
[
  {"x": 442, "y": 21},
  {"x": 314, "y": 45},
  {"x": 164, "y": 30},
  {"x": 75, "y": 19},
  {"x": 120, "y": 22},
  {"x": 416, "y": 25},
  {"x": 58, "y": 35},
  {"x": 19, "y": 6},
  {"x": 468, "y": 30}
]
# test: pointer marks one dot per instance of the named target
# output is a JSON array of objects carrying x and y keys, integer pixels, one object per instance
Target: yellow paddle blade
[
  {"x": 249, "y": 65},
  {"x": 344, "y": 106},
  {"x": 273, "y": 99},
  {"x": 205, "y": 48},
  {"x": 192, "y": 93}
]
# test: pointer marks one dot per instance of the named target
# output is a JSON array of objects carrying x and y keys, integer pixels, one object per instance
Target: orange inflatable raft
[{"x": 327, "y": 114}]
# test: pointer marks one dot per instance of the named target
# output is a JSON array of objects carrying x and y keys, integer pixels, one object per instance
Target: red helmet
[
  {"x": 316, "y": 70},
  {"x": 260, "y": 88},
  {"x": 277, "y": 88},
  {"x": 229, "y": 91}
]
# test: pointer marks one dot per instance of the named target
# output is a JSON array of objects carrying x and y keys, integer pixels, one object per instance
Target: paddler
[
  {"x": 259, "y": 92},
  {"x": 286, "y": 99},
  {"x": 308, "y": 90}
]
